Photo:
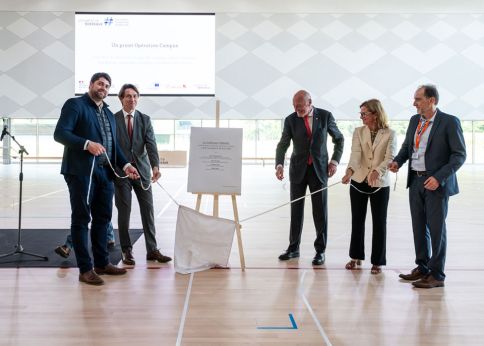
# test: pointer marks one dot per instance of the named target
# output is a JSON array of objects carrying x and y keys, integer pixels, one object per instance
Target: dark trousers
[
  {"x": 122, "y": 199},
  {"x": 429, "y": 211},
  {"x": 99, "y": 208},
  {"x": 379, "y": 208},
  {"x": 319, "y": 203}
]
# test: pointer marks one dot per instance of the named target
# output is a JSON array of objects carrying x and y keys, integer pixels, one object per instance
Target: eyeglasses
[{"x": 364, "y": 114}]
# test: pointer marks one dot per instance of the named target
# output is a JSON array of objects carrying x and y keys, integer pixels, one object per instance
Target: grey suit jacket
[
  {"x": 143, "y": 152},
  {"x": 445, "y": 153},
  {"x": 295, "y": 131}
]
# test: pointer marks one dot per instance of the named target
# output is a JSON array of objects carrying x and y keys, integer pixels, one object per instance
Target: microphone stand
[{"x": 19, "y": 249}]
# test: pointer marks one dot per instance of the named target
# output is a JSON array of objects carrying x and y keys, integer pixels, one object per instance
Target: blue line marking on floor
[
  {"x": 293, "y": 324},
  {"x": 293, "y": 321}
]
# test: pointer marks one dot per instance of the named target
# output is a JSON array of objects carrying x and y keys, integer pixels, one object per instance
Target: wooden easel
[{"x": 216, "y": 198}]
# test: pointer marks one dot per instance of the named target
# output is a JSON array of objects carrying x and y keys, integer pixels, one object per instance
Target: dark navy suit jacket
[
  {"x": 295, "y": 130},
  {"x": 445, "y": 153},
  {"x": 77, "y": 123}
]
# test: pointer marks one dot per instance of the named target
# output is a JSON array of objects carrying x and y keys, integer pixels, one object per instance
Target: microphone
[{"x": 4, "y": 132}]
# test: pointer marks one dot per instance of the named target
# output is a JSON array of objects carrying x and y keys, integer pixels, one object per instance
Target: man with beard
[{"x": 87, "y": 130}]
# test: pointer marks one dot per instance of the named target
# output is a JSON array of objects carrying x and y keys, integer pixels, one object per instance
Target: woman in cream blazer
[{"x": 372, "y": 148}]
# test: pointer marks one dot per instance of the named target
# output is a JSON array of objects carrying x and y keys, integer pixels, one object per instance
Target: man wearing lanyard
[
  {"x": 308, "y": 128},
  {"x": 435, "y": 148}
]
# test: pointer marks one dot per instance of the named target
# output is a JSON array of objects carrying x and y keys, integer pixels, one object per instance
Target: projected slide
[{"x": 162, "y": 54}]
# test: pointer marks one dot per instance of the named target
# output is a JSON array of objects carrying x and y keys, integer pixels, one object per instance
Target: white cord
[
  {"x": 364, "y": 192},
  {"x": 295, "y": 200},
  {"x": 114, "y": 171},
  {"x": 126, "y": 176},
  {"x": 90, "y": 179},
  {"x": 248, "y": 218},
  {"x": 174, "y": 201}
]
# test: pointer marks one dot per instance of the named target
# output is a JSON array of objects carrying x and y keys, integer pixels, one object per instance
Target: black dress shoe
[
  {"x": 287, "y": 255},
  {"x": 319, "y": 258}
]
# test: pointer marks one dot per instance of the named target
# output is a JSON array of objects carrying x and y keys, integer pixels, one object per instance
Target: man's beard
[{"x": 100, "y": 94}]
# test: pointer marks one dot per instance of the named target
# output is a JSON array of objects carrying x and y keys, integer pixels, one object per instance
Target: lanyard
[{"x": 420, "y": 131}]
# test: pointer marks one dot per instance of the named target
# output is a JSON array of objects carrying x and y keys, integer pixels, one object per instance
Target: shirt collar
[
  {"x": 309, "y": 115},
  {"x": 101, "y": 106},
  {"x": 126, "y": 113},
  {"x": 311, "y": 112},
  {"x": 431, "y": 120}
]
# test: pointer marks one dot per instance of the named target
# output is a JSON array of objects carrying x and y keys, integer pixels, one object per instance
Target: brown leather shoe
[
  {"x": 128, "y": 257},
  {"x": 156, "y": 255},
  {"x": 110, "y": 270},
  {"x": 428, "y": 282},
  {"x": 91, "y": 278},
  {"x": 415, "y": 274},
  {"x": 63, "y": 251}
]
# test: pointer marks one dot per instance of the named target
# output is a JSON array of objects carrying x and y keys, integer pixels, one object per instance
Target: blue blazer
[
  {"x": 445, "y": 153},
  {"x": 78, "y": 123},
  {"x": 295, "y": 130}
]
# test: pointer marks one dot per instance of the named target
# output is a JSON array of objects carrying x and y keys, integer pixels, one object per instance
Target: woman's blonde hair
[{"x": 374, "y": 106}]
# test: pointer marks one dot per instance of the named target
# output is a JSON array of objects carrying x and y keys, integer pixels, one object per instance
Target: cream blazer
[{"x": 366, "y": 157}]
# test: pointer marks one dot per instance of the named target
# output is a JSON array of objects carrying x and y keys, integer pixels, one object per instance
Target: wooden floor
[{"x": 303, "y": 305}]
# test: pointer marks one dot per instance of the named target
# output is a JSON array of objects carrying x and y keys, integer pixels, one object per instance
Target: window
[
  {"x": 164, "y": 134},
  {"x": 260, "y": 136}
]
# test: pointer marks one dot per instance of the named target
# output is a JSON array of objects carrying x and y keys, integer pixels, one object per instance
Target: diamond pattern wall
[{"x": 262, "y": 59}]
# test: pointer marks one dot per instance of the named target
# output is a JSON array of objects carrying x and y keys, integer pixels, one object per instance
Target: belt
[{"x": 420, "y": 173}]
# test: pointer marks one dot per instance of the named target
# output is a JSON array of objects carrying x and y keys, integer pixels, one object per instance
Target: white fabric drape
[{"x": 201, "y": 241}]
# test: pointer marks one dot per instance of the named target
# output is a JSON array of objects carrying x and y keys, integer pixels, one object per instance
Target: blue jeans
[
  {"x": 97, "y": 211},
  {"x": 111, "y": 239}
]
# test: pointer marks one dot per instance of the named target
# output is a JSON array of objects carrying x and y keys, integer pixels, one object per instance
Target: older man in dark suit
[
  {"x": 435, "y": 148},
  {"x": 87, "y": 130},
  {"x": 308, "y": 128},
  {"x": 137, "y": 142}
]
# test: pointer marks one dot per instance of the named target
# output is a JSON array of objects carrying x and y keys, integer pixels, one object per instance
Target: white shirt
[
  {"x": 126, "y": 116},
  {"x": 310, "y": 121},
  {"x": 418, "y": 155}
]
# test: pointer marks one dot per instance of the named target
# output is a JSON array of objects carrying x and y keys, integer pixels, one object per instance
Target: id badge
[{"x": 415, "y": 155}]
